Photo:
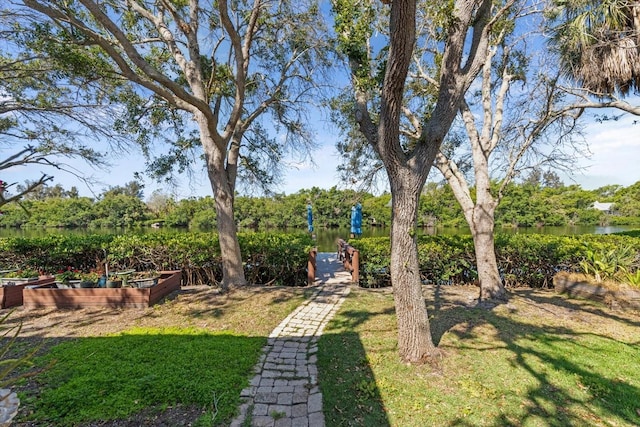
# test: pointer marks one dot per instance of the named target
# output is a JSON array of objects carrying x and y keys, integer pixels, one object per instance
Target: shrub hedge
[
  {"x": 268, "y": 258},
  {"x": 523, "y": 259}
]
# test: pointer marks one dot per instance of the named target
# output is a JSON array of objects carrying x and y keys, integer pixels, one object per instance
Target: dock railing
[
  {"x": 350, "y": 258},
  {"x": 312, "y": 266}
]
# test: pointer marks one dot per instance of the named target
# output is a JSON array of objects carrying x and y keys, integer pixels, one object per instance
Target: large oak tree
[
  {"x": 522, "y": 114},
  {"x": 229, "y": 78},
  {"x": 456, "y": 49}
]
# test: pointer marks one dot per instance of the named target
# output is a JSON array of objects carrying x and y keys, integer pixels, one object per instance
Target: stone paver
[{"x": 284, "y": 390}]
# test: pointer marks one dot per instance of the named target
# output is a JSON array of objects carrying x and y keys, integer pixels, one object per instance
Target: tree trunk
[
  {"x": 482, "y": 227},
  {"x": 480, "y": 217},
  {"x": 232, "y": 270},
  {"x": 223, "y": 194},
  {"x": 415, "y": 344}
]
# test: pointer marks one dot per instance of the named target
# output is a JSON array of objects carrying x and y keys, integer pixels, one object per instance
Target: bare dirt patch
[{"x": 199, "y": 306}]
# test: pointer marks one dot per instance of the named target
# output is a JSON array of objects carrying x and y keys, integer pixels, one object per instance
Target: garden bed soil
[
  {"x": 12, "y": 295},
  {"x": 48, "y": 296},
  {"x": 616, "y": 295}
]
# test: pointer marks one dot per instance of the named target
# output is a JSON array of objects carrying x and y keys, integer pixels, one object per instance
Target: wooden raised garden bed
[
  {"x": 50, "y": 296},
  {"x": 11, "y": 290},
  {"x": 615, "y": 295}
]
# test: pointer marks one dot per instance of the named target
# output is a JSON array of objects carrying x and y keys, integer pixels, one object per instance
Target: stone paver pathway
[{"x": 284, "y": 391}]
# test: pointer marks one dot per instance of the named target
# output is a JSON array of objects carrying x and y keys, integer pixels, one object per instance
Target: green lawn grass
[
  {"x": 540, "y": 360},
  {"x": 195, "y": 352},
  {"x": 513, "y": 365},
  {"x": 116, "y": 376}
]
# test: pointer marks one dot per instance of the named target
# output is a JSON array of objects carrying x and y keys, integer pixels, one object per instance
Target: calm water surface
[{"x": 327, "y": 239}]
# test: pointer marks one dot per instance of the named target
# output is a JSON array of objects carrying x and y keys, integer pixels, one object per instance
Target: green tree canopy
[{"x": 224, "y": 81}]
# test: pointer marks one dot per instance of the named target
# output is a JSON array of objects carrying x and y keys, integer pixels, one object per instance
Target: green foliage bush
[
  {"x": 630, "y": 233},
  {"x": 268, "y": 258},
  {"x": 523, "y": 259},
  {"x": 375, "y": 253},
  {"x": 275, "y": 258},
  {"x": 54, "y": 253}
]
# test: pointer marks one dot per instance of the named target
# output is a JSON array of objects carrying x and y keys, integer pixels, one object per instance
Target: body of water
[{"x": 327, "y": 239}]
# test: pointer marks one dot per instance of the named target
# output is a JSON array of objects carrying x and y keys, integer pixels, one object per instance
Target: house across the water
[{"x": 603, "y": 207}]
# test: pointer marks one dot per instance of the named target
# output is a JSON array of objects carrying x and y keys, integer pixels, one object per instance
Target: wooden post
[
  {"x": 311, "y": 266},
  {"x": 350, "y": 258},
  {"x": 355, "y": 265}
]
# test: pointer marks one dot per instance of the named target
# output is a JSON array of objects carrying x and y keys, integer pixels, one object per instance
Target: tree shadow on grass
[
  {"x": 581, "y": 305},
  {"x": 210, "y": 302},
  {"x": 351, "y": 319},
  {"x": 350, "y": 393},
  {"x": 203, "y": 306},
  {"x": 347, "y": 382},
  {"x": 596, "y": 391}
]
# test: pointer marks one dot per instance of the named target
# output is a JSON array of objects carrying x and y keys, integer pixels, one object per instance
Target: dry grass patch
[
  {"x": 199, "y": 306},
  {"x": 606, "y": 283}
]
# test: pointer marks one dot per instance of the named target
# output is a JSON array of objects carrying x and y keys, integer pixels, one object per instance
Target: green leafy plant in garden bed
[{"x": 21, "y": 273}]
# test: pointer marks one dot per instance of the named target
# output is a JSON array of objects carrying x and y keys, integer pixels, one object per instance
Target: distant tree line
[{"x": 535, "y": 201}]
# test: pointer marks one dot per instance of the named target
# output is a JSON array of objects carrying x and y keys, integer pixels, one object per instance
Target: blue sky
[
  {"x": 299, "y": 175},
  {"x": 615, "y": 159},
  {"x": 615, "y": 148}
]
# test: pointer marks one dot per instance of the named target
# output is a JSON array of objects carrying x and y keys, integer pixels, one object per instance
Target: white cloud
[
  {"x": 321, "y": 172},
  {"x": 615, "y": 147}
]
